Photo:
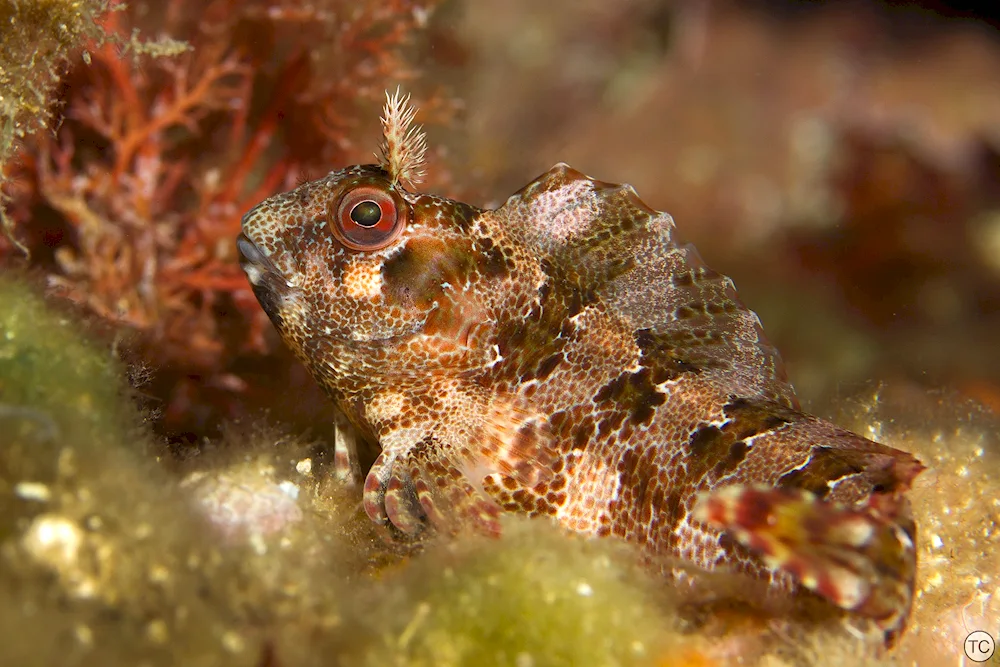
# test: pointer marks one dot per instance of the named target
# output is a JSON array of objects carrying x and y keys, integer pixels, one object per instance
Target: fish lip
[
  {"x": 269, "y": 285},
  {"x": 258, "y": 266}
]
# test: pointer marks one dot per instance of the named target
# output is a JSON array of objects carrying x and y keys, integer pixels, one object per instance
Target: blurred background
[{"x": 839, "y": 160}]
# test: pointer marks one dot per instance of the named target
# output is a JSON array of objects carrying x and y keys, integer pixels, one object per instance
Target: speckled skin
[{"x": 563, "y": 355}]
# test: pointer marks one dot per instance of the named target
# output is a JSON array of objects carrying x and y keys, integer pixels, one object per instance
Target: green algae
[
  {"x": 38, "y": 38},
  {"x": 536, "y": 597},
  {"x": 52, "y": 376},
  {"x": 100, "y": 552},
  {"x": 104, "y": 558}
]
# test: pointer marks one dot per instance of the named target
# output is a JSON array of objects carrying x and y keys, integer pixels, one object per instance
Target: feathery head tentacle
[{"x": 404, "y": 145}]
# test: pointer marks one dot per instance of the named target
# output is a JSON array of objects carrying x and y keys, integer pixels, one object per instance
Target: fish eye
[
  {"x": 366, "y": 218},
  {"x": 367, "y": 213}
]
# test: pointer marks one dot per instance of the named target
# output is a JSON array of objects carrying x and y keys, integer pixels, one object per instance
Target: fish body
[{"x": 564, "y": 355}]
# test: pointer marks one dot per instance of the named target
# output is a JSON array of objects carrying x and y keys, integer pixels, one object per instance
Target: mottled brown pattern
[{"x": 563, "y": 355}]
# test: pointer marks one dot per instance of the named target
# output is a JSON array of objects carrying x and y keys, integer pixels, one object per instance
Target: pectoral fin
[{"x": 862, "y": 559}]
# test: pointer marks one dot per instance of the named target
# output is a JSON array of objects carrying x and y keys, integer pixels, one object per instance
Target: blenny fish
[{"x": 565, "y": 355}]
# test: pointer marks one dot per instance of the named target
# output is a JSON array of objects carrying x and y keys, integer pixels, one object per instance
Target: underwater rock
[
  {"x": 103, "y": 557},
  {"x": 535, "y": 597},
  {"x": 957, "y": 510}
]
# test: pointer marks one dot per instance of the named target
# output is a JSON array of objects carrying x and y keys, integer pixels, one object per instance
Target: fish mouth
[{"x": 269, "y": 285}]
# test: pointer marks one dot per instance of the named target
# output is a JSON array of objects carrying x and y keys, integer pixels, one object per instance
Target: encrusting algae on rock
[
  {"x": 105, "y": 559},
  {"x": 536, "y": 597},
  {"x": 956, "y": 504}
]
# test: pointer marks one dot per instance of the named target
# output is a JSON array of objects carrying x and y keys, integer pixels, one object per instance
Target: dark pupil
[{"x": 366, "y": 214}]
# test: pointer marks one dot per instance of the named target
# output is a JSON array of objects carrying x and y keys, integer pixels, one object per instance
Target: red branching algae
[{"x": 131, "y": 206}]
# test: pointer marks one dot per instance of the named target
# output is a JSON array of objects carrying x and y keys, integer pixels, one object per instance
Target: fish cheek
[
  {"x": 417, "y": 276},
  {"x": 435, "y": 278}
]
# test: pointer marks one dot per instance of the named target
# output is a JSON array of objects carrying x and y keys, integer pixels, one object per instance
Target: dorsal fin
[{"x": 603, "y": 240}]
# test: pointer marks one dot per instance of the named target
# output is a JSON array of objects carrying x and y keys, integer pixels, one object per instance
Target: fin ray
[
  {"x": 604, "y": 241},
  {"x": 862, "y": 558}
]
